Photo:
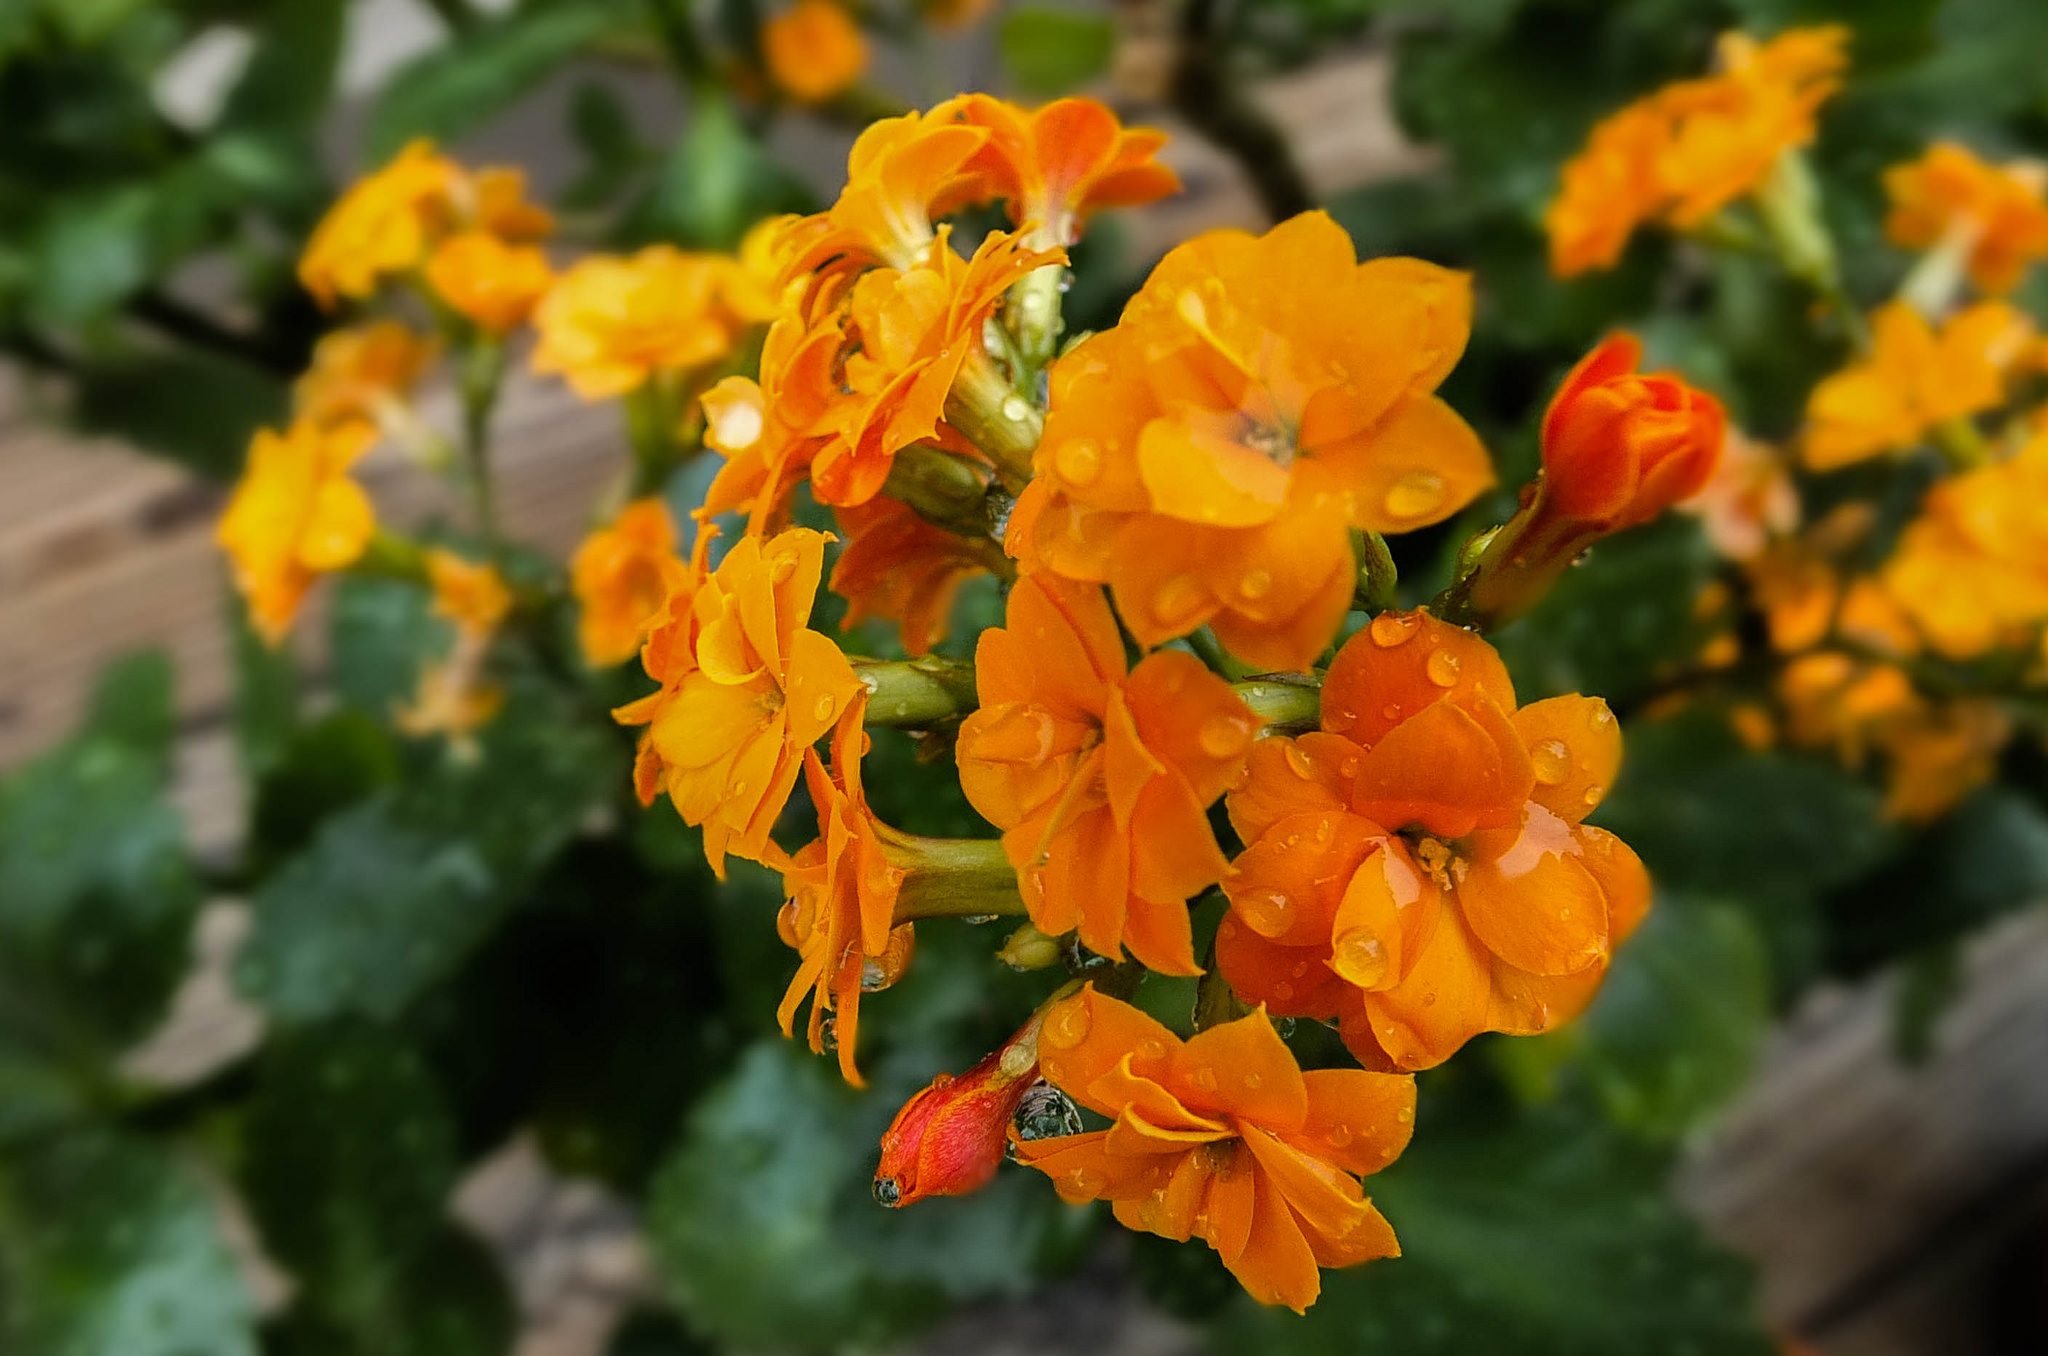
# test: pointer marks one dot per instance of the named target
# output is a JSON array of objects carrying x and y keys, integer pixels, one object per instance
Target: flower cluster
[{"x": 1683, "y": 154}]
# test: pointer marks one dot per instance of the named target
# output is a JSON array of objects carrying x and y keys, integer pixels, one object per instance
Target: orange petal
[
  {"x": 1242, "y": 1068},
  {"x": 1574, "y": 746},
  {"x": 1621, "y": 877},
  {"x": 1160, "y": 935},
  {"x": 1283, "y": 776},
  {"x": 1419, "y": 467},
  {"x": 1530, "y": 901},
  {"x": 1199, "y": 476},
  {"x": 1385, "y": 915},
  {"x": 1441, "y": 1004},
  {"x": 1085, "y": 1037},
  {"x": 1190, "y": 719},
  {"x": 1277, "y": 1265},
  {"x": 1287, "y": 884},
  {"x": 1292, "y": 981},
  {"x": 1360, "y": 1121},
  {"x": 1448, "y": 769},
  {"x": 1403, "y": 662}
]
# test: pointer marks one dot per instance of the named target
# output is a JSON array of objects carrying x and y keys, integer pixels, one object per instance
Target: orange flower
[
  {"x": 842, "y": 892},
  {"x": 1688, "y": 150},
  {"x": 948, "y": 1140},
  {"x": 1997, "y": 214},
  {"x": 1941, "y": 756},
  {"x": 1748, "y": 502},
  {"x": 745, "y": 689},
  {"x": 386, "y": 224},
  {"x": 1222, "y": 1137},
  {"x": 295, "y": 514},
  {"x": 1060, "y": 164},
  {"x": 1915, "y": 378},
  {"x": 1418, "y": 869},
  {"x": 1972, "y": 570},
  {"x": 364, "y": 372},
  {"x": 493, "y": 285},
  {"x": 609, "y": 325},
  {"x": 902, "y": 174},
  {"x": 1209, "y": 457},
  {"x": 1621, "y": 446},
  {"x": 814, "y": 50},
  {"x": 1100, "y": 776},
  {"x": 621, "y": 575},
  {"x": 913, "y": 331},
  {"x": 473, "y": 596},
  {"x": 769, "y": 430},
  {"x": 897, "y": 565}
]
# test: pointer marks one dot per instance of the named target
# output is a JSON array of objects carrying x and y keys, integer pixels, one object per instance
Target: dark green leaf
[
  {"x": 1543, "y": 1237},
  {"x": 348, "y": 1161},
  {"x": 381, "y": 632},
  {"x": 200, "y": 411},
  {"x": 654, "y": 1333},
  {"x": 285, "y": 86},
  {"x": 108, "y": 1248},
  {"x": 266, "y": 697},
  {"x": 455, "y": 88},
  {"x": 1048, "y": 51},
  {"x": 450, "y": 1300},
  {"x": 131, "y": 705},
  {"x": 325, "y": 768}
]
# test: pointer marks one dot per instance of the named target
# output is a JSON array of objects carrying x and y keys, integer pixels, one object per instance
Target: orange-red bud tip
[
  {"x": 1621, "y": 446},
  {"x": 948, "y": 1139}
]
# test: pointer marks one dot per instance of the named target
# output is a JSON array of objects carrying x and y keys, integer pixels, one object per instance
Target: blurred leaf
[
  {"x": 611, "y": 147},
  {"x": 380, "y": 632},
  {"x": 371, "y": 914},
  {"x": 38, "y": 1093},
  {"x": 93, "y": 252},
  {"x": 655, "y": 1333},
  {"x": 108, "y": 1248},
  {"x": 97, "y": 893},
  {"x": 200, "y": 411},
  {"x": 764, "y": 1231},
  {"x": 347, "y": 1163},
  {"x": 1543, "y": 1237},
  {"x": 1986, "y": 858},
  {"x": 451, "y": 1300},
  {"x": 1929, "y": 982},
  {"x": 453, "y": 89},
  {"x": 1679, "y": 1021},
  {"x": 322, "y": 770},
  {"x": 718, "y": 181},
  {"x": 290, "y": 75},
  {"x": 1048, "y": 51},
  {"x": 266, "y": 696}
]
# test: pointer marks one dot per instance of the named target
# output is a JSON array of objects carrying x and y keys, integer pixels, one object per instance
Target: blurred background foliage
[{"x": 448, "y": 951}]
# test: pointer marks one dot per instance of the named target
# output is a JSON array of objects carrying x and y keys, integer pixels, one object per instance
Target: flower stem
[
  {"x": 1003, "y": 424},
  {"x": 1284, "y": 702},
  {"x": 954, "y": 878},
  {"x": 917, "y": 692}
]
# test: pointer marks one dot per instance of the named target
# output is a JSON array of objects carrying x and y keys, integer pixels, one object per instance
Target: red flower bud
[
  {"x": 948, "y": 1140},
  {"x": 1621, "y": 446}
]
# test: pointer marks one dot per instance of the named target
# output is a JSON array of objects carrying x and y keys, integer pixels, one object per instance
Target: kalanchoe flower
[
  {"x": 1619, "y": 447},
  {"x": 1100, "y": 775},
  {"x": 746, "y": 688},
  {"x": 610, "y": 325},
  {"x": 1209, "y": 457},
  {"x": 814, "y": 50},
  {"x": 621, "y": 575},
  {"x": 491, "y": 283},
  {"x": 1995, "y": 215},
  {"x": 1971, "y": 571},
  {"x": 1057, "y": 165},
  {"x": 364, "y": 373},
  {"x": 898, "y": 566},
  {"x": 296, "y": 514},
  {"x": 949, "y": 1139},
  {"x": 1419, "y": 868},
  {"x": 1224, "y": 1138},
  {"x": 454, "y": 698}
]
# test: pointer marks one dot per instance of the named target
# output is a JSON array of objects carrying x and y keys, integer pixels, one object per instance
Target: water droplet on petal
[
  {"x": 1404, "y": 1115},
  {"x": 1204, "y": 1078},
  {"x": 1339, "y": 1135},
  {"x": 1268, "y": 912},
  {"x": 1151, "y": 1049},
  {"x": 1552, "y": 761},
  {"x": 1394, "y": 628},
  {"x": 1083, "y": 1182},
  {"x": 1415, "y": 495},
  {"x": 824, "y": 708},
  {"x": 1067, "y": 1027},
  {"x": 1046, "y": 1113},
  {"x": 1225, "y": 736},
  {"x": 1078, "y": 461},
  {"x": 1299, "y": 762},
  {"x": 1595, "y": 794},
  {"x": 1256, "y": 583},
  {"x": 1443, "y": 667},
  {"x": 1253, "y": 1081},
  {"x": 1360, "y": 957}
]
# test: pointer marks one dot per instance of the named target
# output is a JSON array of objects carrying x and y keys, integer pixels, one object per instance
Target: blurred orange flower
[
  {"x": 1971, "y": 570},
  {"x": 1223, "y": 1137},
  {"x": 1418, "y": 869},
  {"x": 1915, "y": 378},
  {"x": 295, "y": 514},
  {"x": 1749, "y": 501},
  {"x": 364, "y": 373},
  {"x": 1209, "y": 456},
  {"x": 769, "y": 430},
  {"x": 454, "y": 698},
  {"x": 814, "y": 50},
  {"x": 745, "y": 689},
  {"x": 1997, "y": 214},
  {"x": 1688, "y": 150},
  {"x": 897, "y": 565},
  {"x": 470, "y": 594},
  {"x": 621, "y": 575},
  {"x": 610, "y": 324},
  {"x": 492, "y": 284},
  {"x": 1099, "y": 775},
  {"x": 841, "y": 892},
  {"x": 1059, "y": 164}
]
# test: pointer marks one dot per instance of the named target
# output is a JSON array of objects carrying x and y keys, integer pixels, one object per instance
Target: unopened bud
[
  {"x": 950, "y": 1138},
  {"x": 1030, "y": 949}
]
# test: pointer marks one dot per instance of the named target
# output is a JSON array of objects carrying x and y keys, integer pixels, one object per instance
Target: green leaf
[
  {"x": 1678, "y": 1024},
  {"x": 91, "y": 254},
  {"x": 455, "y": 88},
  {"x": 322, "y": 770},
  {"x": 374, "y": 912},
  {"x": 380, "y": 632},
  {"x": 266, "y": 701},
  {"x": 97, "y": 893},
  {"x": 451, "y": 1300},
  {"x": 718, "y": 181},
  {"x": 1541, "y": 1237},
  {"x": 1048, "y": 51},
  {"x": 131, "y": 705},
  {"x": 108, "y": 1248},
  {"x": 195, "y": 409},
  {"x": 347, "y": 1165},
  {"x": 764, "y": 1231},
  {"x": 286, "y": 85}
]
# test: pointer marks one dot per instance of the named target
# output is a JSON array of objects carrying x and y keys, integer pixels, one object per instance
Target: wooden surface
[{"x": 1874, "y": 1196}]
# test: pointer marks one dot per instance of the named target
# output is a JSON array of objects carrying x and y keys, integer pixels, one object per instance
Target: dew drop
[
  {"x": 1299, "y": 762},
  {"x": 1552, "y": 761},
  {"x": 1415, "y": 495},
  {"x": 1360, "y": 957},
  {"x": 1339, "y": 1135},
  {"x": 1283, "y": 992},
  {"x": 1253, "y": 1081},
  {"x": 1595, "y": 794},
  {"x": 1078, "y": 462},
  {"x": 1443, "y": 667},
  {"x": 1204, "y": 1078},
  {"x": 1256, "y": 583},
  {"x": 1602, "y": 717},
  {"x": 1046, "y": 1113},
  {"x": 825, "y": 707},
  {"x": 1404, "y": 1115},
  {"x": 1429, "y": 1000},
  {"x": 1082, "y": 1182},
  {"x": 1014, "y": 409},
  {"x": 1151, "y": 1049},
  {"x": 1268, "y": 911},
  {"x": 1068, "y": 1025},
  {"x": 1225, "y": 736},
  {"x": 1394, "y": 628}
]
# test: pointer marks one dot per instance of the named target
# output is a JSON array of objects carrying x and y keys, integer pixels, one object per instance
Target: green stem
[
  {"x": 917, "y": 692},
  {"x": 686, "y": 54},
  {"x": 954, "y": 878},
  {"x": 483, "y": 370},
  {"x": 1283, "y": 702},
  {"x": 991, "y": 415},
  {"x": 946, "y": 490}
]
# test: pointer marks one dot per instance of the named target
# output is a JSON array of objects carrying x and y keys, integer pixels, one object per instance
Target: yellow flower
[
  {"x": 493, "y": 285},
  {"x": 364, "y": 373},
  {"x": 610, "y": 324},
  {"x": 621, "y": 575},
  {"x": 1972, "y": 570},
  {"x": 1996, "y": 213},
  {"x": 814, "y": 50},
  {"x": 471, "y": 595},
  {"x": 294, "y": 515},
  {"x": 1915, "y": 378},
  {"x": 454, "y": 698}
]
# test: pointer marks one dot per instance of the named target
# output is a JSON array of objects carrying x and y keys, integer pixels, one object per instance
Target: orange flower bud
[
  {"x": 948, "y": 1140},
  {"x": 1621, "y": 446}
]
